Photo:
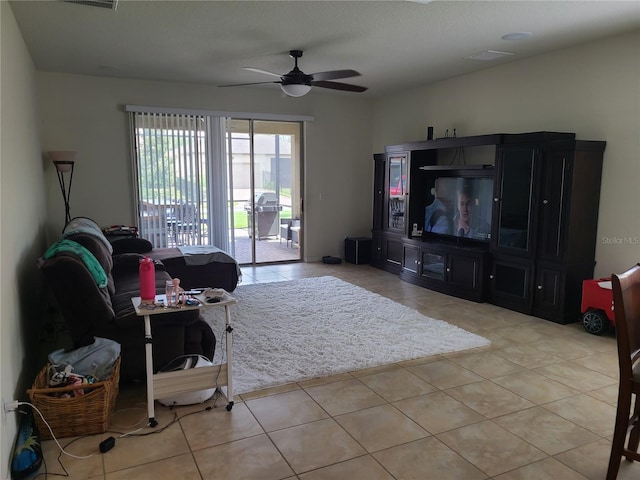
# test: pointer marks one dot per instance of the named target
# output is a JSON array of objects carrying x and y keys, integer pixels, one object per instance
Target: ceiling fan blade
[
  {"x": 266, "y": 72},
  {"x": 243, "y": 84},
  {"x": 335, "y": 74},
  {"x": 339, "y": 86}
]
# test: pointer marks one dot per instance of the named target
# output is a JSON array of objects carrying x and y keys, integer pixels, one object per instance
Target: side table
[{"x": 166, "y": 384}]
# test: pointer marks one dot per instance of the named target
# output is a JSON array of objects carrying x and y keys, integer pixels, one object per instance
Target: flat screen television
[{"x": 458, "y": 206}]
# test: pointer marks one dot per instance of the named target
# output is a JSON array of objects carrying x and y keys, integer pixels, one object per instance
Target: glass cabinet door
[
  {"x": 433, "y": 265},
  {"x": 397, "y": 175},
  {"x": 513, "y": 204},
  {"x": 552, "y": 204},
  {"x": 378, "y": 191}
]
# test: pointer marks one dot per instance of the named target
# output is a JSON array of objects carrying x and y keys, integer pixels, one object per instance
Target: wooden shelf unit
[{"x": 543, "y": 220}]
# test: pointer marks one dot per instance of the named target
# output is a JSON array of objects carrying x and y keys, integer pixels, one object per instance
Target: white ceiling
[{"x": 394, "y": 44}]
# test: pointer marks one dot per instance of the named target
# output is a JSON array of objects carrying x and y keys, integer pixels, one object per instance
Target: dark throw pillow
[
  {"x": 130, "y": 261},
  {"x": 131, "y": 245}
]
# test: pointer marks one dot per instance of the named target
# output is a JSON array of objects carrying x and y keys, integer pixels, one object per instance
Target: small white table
[{"x": 166, "y": 384}]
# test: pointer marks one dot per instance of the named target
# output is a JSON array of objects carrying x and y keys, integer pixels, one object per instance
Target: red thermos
[{"x": 147, "y": 280}]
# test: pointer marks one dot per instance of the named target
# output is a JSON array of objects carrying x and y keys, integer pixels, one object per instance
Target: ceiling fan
[{"x": 296, "y": 83}]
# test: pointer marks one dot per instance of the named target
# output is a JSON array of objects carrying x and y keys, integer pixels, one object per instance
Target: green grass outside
[{"x": 240, "y": 220}]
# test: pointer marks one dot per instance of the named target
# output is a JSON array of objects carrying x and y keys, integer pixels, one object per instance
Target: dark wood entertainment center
[{"x": 540, "y": 241}]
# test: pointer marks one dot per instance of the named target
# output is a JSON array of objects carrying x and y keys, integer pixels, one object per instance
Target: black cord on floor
[{"x": 217, "y": 394}]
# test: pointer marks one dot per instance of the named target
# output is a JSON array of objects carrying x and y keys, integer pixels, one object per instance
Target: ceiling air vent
[
  {"x": 489, "y": 55},
  {"x": 110, "y": 4}
]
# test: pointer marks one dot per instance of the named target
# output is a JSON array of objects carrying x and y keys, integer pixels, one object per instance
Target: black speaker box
[{"x": 357, "y": 250}]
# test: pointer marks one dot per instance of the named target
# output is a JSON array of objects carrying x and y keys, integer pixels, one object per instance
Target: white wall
[
  {"x": 592, "y": 90},
  {"x": 86, "y": 114},
  {"x": 23, "y": 212}
]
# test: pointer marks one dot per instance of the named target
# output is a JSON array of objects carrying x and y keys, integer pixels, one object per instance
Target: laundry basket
[{"x": 87, "y": 414}]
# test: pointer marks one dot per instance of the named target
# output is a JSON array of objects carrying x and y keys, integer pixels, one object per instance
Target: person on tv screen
[
  {"x": 464, "y": 223},
  {"x": 464, "y": 211},
  {"x": 436, "y": 215}
]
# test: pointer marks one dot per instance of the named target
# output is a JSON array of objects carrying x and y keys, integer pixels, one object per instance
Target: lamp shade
[
  {"x": 295, "y": 90},
  {"x": 63, "y": 159}
]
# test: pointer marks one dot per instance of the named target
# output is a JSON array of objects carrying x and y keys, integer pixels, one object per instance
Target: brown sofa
[{"x": 93, "y": 311}]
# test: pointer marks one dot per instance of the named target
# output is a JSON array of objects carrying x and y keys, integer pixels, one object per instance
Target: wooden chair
[{"x": 626, "y": 303}]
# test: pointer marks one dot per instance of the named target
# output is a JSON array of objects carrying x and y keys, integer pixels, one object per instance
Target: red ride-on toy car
[{"x": 597, "y": 306}]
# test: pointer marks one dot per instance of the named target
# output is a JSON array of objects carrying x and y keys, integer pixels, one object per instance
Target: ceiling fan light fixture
[
  {"x": 295, "y": 90},
  {"x": 296, "y": 83}
]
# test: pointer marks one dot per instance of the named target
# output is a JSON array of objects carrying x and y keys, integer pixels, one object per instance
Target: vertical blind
[{"x": 171, "y": 178}]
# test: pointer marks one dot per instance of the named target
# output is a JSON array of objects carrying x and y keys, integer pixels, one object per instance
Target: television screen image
[{"x": 459, "y": 207}]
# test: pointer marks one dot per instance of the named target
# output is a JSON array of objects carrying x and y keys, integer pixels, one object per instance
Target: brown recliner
[{"x": 91, "y": 311}]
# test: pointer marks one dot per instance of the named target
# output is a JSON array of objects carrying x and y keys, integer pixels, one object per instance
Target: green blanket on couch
[{"x": 85, "y": 255}]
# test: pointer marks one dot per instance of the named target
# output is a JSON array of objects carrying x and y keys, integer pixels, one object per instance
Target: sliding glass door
[
  {"x": 224, "y": 182},
  {"x": 264, "y": 159}
]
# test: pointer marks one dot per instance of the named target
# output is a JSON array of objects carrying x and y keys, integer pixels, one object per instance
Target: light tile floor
[{"x": 538, "y": 404}]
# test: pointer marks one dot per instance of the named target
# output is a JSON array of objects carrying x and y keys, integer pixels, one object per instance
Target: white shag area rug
[{"x": 314, "y": 327}]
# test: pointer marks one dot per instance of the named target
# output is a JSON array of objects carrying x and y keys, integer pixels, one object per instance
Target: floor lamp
[{"x": 64, "y": 161}]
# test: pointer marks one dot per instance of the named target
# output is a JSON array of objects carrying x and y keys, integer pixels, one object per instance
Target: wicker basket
[{"x": 69, "y": 417}]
